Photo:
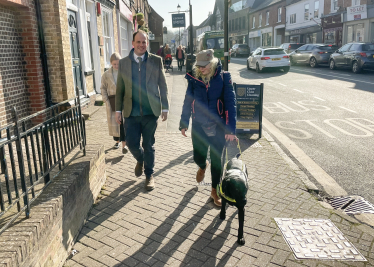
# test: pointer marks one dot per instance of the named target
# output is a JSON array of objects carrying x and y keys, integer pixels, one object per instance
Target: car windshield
[
  {"x": 328, "y": 48},
  {"x": 368, "y": 47},
  {"x": 273, "y": 52},
  {"x": 215, "y": 43}
]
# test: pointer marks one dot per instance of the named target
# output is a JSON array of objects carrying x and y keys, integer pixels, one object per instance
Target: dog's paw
[
  {"x": 241, "y": 241},
  {"x": 222, "y": 216}
]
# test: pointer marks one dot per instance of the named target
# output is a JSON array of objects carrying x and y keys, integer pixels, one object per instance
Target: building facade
[
  {"x": 267, "y": 23},
  {"x": 304, "y": 21},
  {"x": 156, "y": 26}
]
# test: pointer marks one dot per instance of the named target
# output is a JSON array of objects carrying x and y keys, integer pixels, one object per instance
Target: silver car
[{"x": 312, "y": 54}]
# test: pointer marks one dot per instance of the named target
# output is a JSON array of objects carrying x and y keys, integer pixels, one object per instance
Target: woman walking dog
[{"x": 210, "y": 100}]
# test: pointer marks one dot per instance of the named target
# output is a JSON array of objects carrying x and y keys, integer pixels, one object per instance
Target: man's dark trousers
[{"x": 145, "y": 126}]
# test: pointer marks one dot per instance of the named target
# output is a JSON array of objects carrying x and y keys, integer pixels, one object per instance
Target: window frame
[
  {"x": 334, "y": 5},
  {"x": 267, "y": 18},
  {"x": 253, "y": 22},
  {"x": 110, "y": 37},
  {"x": 293, "y": 21},
  {"x": 259, "y": 20},
  {"x": 306, "y": 11},
  {"x": 316, "y": 9},
  {"x": 279, "y": 14}
]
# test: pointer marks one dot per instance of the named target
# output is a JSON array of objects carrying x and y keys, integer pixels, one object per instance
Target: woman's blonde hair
[
  {"x": 206, "y": 78},
  {"x": 115, "y": 56}
]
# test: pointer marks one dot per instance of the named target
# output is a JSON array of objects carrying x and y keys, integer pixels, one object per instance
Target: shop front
[
  {"x": 309, "y": 35},
  {"x": 238, "y": 38},
  {"x": 359, "y": 24},
  {"x": 254, "y": 39},
  {"x": 267, "y": 36},
  {"x": 332, "y": 29},
  {"x": 125, "y": 27}
]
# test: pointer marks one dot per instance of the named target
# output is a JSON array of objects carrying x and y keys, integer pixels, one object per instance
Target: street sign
[
  {"x": 173, "y": 41},
  {"x": 249, "y": 99},
  {"x": 178, "y": 20},
  {"x": 151, "y": 36}
]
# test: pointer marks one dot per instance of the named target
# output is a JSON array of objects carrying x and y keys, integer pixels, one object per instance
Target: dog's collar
[{"x": 223, "y": 195}]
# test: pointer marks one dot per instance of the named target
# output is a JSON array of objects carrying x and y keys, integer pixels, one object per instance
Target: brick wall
[
  {"x": 273, "y": 16},
  {"x": 342, "y": 4},
  {"x": 21, "y": 76}
]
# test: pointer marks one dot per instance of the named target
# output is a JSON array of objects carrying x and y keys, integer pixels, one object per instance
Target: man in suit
[{"x": 141, "y": 97}]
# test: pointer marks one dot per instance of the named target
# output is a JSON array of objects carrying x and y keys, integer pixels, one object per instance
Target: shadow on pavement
[{"x": 185, "y": 158}]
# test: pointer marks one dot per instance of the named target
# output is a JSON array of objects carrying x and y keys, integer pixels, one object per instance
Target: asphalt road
[{"x": 327, "y": 114}]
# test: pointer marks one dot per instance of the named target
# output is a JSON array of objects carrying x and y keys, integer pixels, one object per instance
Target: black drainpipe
[{"x": 43, "y": 54}]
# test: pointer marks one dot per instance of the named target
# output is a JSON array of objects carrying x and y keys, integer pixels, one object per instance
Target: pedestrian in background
[
  {"x": 160, "y": 52},
  {"x": 108, "y": 92},
  {"x": 210, "y": 99},
  {"x": 180, "y": 57},
  {"x": 167, "y": 51},
  {"x": 142, "y": 98}
]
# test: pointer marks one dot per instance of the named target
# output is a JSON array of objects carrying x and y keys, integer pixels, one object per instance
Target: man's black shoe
[{"x": 139, "y": 169}]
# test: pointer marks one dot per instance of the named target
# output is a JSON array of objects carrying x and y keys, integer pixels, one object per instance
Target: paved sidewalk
[{"x": 177, "y": 225}]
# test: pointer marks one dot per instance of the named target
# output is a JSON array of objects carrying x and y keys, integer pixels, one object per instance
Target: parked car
[
  {"x": 268, "y": 58},
  {"x": 357, "y": 56},
  {"x": 312, "y": 54},
  {"x": 290, "y": 47},
  {"x": 239, "y": 49}
]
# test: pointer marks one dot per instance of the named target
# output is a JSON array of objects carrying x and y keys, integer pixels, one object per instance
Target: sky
[{"x": 200, "y": 10}]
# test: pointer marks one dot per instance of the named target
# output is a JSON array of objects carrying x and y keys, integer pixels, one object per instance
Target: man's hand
[
  {"x": 183, "y": 131},
  {"x": 231, "y": 137},
  {"x": 164, "y": 116},
  {"x": 118, "y": 117}
]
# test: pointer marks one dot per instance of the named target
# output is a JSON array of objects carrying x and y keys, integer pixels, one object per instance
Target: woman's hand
[
  {"x": 183, "y": 131},
  {"x": 231, "y": 137}
]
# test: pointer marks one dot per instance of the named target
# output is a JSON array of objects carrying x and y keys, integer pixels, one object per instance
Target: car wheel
[
  {"x": 287, "y": 69},
  {"x": 258, "y": 68},
  {"x": 332, "y": 65},
  {"x": 313, "y": 62},
  {"x": 355, "y": 67}
]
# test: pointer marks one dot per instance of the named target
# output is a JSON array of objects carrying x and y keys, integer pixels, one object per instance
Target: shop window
[
  {"x": 355, "y": 33},
  {"x": 293, "y": 18},
  {"x": 279, "y": 14},
  {"x": 311, "y": 38},
  {"x": 306, "y": 12},
  {"x": 266, "y": 39},
  {"x": 330, "y": 37},
  {"x": 316, "y": 9}
]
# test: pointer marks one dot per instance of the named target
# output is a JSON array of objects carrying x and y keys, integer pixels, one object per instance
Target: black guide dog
[{"x": 233, "y": 190}]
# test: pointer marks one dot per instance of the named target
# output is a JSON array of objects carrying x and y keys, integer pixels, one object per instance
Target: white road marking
[
  {"x": 348, "y": 109},
  {"x": 335, "y": 76},
  {"x": 327, "y": 182},
  {"x": 299, "y": 91},
  {"x": 282, "y": 84},
  {"x": 319, "y": 98}
]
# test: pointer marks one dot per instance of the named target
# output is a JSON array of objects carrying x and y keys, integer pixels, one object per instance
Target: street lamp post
[{"x": 179, "y": 9}]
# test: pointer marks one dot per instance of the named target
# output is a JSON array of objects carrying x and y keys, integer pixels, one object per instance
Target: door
[
  {"x": 350, "y": 55},
  {"x": 308, "y": 53},
  {"x": 299, "y": 54},
  {"x": 74, "y": 49},
  {"x": 340, "y": 57}
]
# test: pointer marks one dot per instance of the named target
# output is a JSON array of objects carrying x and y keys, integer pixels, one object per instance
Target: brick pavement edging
[{"x": 57, "y": 215}]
